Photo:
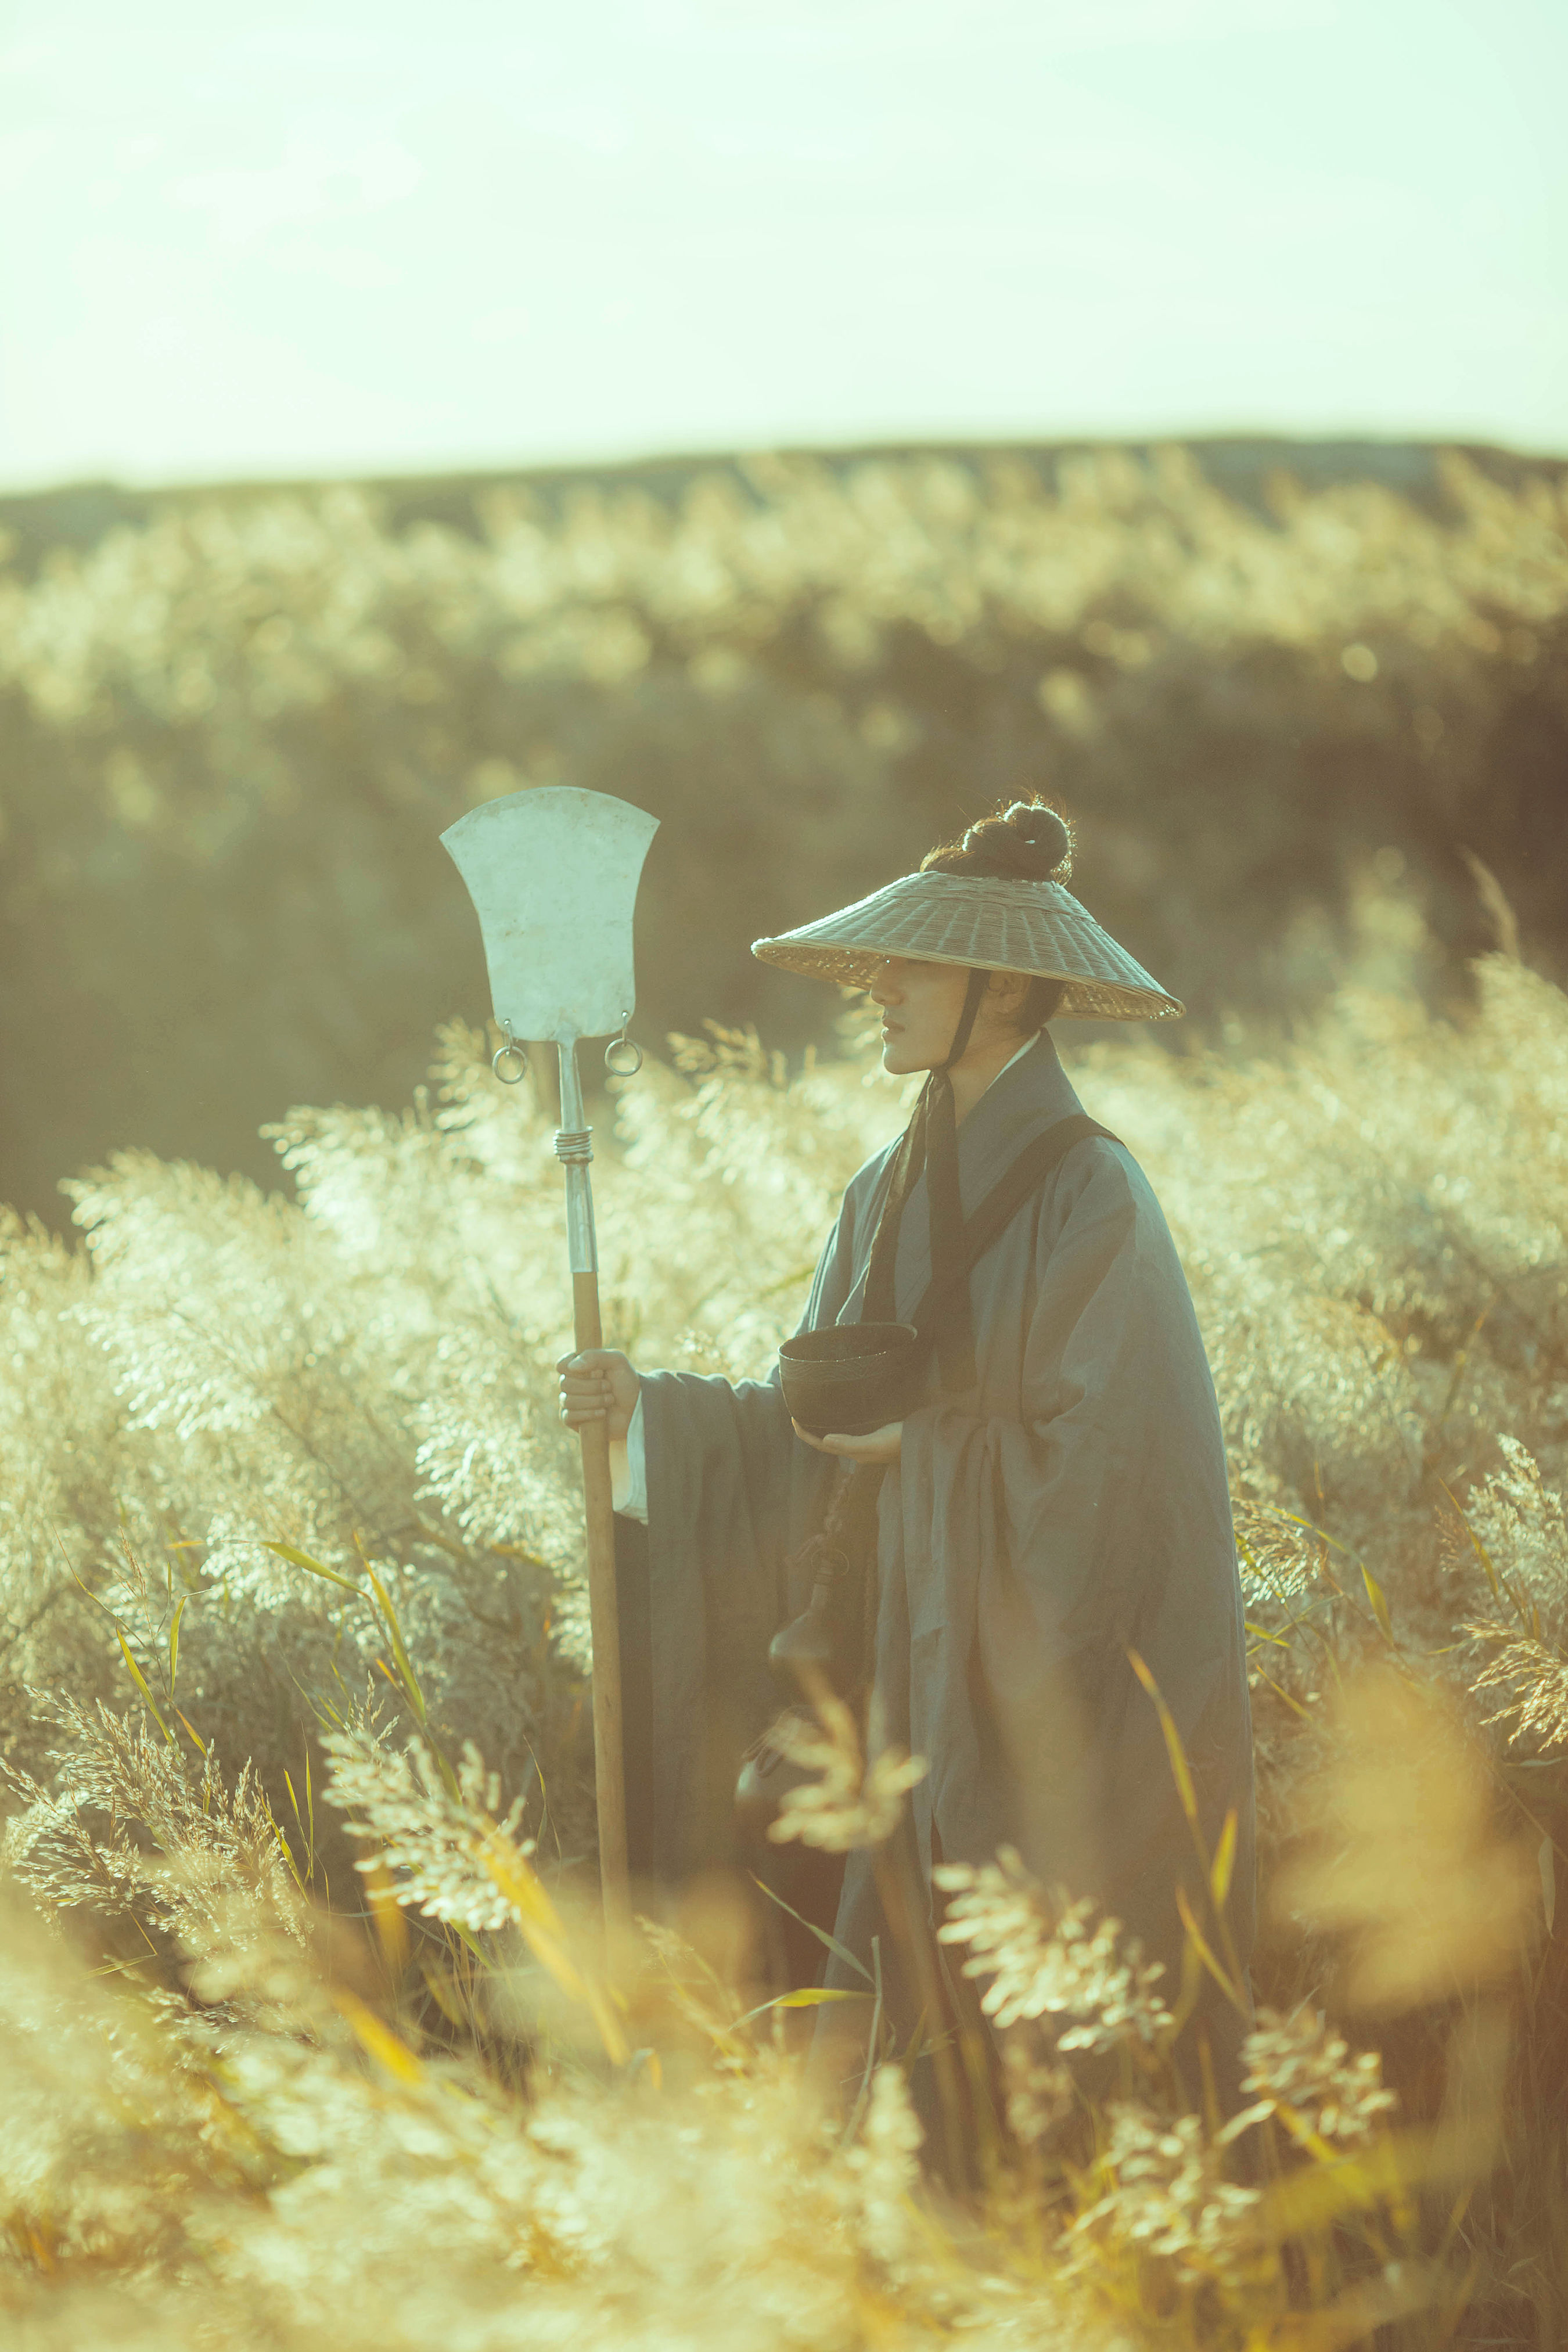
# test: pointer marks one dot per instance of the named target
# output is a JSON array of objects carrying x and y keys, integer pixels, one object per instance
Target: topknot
[{"x": 1026, "y": 842}]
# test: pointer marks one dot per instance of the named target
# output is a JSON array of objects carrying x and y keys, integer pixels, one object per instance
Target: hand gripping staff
[{"x": 553, "y": 877}]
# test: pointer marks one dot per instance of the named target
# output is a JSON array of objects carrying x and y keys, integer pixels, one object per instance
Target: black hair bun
[
  {"x": 1045, "y": 834},
  {"x": 1027, "y": 843}
]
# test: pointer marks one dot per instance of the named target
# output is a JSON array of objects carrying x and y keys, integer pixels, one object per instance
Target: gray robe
[{"x": 1069, "y": 1506}]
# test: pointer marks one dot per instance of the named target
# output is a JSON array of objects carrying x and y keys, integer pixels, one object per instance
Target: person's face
[{"x": 922, "y": 1004}]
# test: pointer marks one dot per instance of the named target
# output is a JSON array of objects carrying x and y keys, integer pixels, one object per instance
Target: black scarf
[{"x": 930, "y": 1142}]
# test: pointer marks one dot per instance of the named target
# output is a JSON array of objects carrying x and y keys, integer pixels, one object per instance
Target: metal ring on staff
[
  {"x": 621, "y": 1047},
  {"x": 512, "y": 1051}
]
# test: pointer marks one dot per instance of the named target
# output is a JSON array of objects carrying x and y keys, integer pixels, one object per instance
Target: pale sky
[{"x": 363, "y": 235}]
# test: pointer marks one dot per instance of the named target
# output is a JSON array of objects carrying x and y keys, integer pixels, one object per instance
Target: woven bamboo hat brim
[{"x": 1030, "y": 927}]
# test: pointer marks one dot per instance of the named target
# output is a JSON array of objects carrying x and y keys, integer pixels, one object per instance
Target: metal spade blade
[{"x": 553, "y": 877}]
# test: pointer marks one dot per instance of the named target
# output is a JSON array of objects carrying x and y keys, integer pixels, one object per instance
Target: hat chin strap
[{"x": 972, "y": 996}]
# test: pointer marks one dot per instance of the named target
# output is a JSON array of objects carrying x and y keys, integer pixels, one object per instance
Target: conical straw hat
[{"x": 1033, "y": 926}]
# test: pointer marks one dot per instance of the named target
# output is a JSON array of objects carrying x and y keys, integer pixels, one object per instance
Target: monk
[{"x": 1053, "y": 1501}]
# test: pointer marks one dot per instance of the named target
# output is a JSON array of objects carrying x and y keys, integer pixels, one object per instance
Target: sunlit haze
[{"x": 350, "y": 238}]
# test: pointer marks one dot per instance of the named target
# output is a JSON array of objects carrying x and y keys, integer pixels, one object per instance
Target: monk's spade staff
[{"x": 553, "y": 877}]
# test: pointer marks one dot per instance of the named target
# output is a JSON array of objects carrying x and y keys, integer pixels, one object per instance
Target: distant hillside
[
  {"x": 233, "y": 721},
  {"x": 76, "y": 515}
]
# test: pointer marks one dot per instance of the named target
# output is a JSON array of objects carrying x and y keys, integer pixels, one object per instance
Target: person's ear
[{"x": 1008, "y": 991}]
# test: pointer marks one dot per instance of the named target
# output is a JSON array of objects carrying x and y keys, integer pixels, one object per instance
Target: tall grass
[{"x": 307, "y": 2025}]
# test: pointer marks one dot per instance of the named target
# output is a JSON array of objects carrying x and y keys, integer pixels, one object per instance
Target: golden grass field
[
  {"x": 307, "y": 2030},
  {"x": 255, "y": 2093}
]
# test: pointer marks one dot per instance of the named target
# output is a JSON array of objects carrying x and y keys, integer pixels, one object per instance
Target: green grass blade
[
  {"x": 840, "y": 1951},
  {"x": 1379, "y": 1605},
  {"x": 298, "y": 1559},
  {"x": 1477, "y": 1546},
  {"x": 805, "y": 1997},
  {"x": 1224, "y": 1861},
  {"x": 139, "y": 1679},
  {"x": 407, "y": 1674},
  {"x": 1174, "y": 1749},
  {"x": 1200, "y": 1944}
]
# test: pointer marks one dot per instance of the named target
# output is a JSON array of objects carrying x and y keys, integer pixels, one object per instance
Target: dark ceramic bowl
[{"x": 849, "y": 1377}]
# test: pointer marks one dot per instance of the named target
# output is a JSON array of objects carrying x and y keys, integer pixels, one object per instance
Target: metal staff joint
[{"x": 574, "y": 1149}]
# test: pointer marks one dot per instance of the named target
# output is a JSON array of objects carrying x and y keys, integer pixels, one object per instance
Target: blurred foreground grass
[{"x": 250, "y": 2094}]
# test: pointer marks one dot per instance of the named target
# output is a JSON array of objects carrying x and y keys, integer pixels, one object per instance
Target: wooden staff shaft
[
  {"x": 609, "y": 1770},
  {"x": 574, "y": 1149}
]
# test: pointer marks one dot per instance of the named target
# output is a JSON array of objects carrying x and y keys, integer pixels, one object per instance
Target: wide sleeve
[
  {"x": 729, "y": 1492},
  {"x": 628, "y": 1469}
]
